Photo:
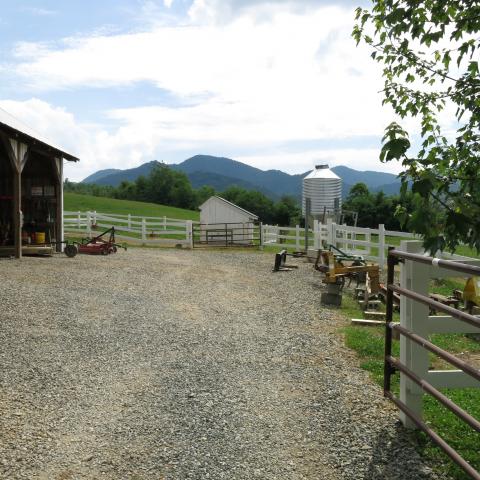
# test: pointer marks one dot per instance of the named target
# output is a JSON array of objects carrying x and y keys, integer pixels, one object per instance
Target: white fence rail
[
  {"x": 371, "y": 243},
  {"x": 143, "y": 230}
]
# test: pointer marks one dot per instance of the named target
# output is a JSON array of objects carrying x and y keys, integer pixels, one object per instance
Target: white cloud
[
  {"x": 222, "y": 11},
  {"x": 53, "y": 124},
  {"x": 304, "y": 160},
  {"x": 296, "y": 77},
  {"x": 140, "y": 140},
  {"x": 30, "y": 51},
  {"x": 269, "y": 75},
  {"x": 168, "y": 3},
  {"x": 41, "y": 12}
]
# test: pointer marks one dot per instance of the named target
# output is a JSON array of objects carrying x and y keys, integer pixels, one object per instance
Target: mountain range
[{"x": 221, "y": 173}]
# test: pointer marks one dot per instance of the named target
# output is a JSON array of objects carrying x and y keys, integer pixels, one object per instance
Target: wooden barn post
[
  {"x": 58, "y": 169},
  {"x": 18, "y": 154}
]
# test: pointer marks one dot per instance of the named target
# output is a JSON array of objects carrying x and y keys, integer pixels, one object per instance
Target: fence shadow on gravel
[{"x": 393, "y": 456}]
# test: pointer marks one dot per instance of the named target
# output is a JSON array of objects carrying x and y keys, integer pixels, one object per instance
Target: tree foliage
[
  {"x": 429, "y": 53},
  {"x": 284, "y": 212},
  {"x": 376, "y": 208}
]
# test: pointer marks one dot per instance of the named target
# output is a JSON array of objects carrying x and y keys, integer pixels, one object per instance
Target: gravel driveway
[{"x": 175, "y": 364}]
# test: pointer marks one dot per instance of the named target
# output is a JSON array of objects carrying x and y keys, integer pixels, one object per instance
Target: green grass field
[{"x": 75, "y": 202}]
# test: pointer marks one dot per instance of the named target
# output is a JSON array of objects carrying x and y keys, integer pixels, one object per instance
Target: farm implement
[
  {"x": 103, "y": 244},
  {"x": 336, "y": 268}
]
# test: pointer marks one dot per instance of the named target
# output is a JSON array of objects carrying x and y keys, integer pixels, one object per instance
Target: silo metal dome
[{"x": 324, "y": 189}]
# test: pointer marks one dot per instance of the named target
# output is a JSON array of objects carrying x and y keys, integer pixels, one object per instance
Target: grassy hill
[{"x": 75, "y": 202}]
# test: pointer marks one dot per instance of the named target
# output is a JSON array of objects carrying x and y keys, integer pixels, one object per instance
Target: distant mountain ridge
[
  {"x": 115, "y": 176},
  {"x": 221, "y": 173},
  {"x": 97, "y": 176}
]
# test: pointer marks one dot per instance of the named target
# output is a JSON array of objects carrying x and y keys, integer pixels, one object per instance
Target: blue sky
[{"x": 275, "y": 84}]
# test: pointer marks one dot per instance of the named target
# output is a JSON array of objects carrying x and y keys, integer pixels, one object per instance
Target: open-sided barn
[{"x": 31, "y": 189}]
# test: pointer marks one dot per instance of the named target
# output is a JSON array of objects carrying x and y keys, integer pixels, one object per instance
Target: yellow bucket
[{"x": 40, "y": 237}]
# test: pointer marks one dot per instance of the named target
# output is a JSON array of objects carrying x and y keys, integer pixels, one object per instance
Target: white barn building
[{"x": 222, "y": 221}]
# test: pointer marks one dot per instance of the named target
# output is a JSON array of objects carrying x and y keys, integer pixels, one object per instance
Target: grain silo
[{"x": 324, "y": 189}]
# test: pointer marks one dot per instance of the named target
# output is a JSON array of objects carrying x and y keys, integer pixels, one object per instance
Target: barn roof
[
  {"x": 250, "y": 214},
  {"x": 17, "y": 129}
]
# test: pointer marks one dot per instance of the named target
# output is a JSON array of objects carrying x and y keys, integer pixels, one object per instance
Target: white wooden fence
[
  {"x": 371, "y": 243},
  {"x": 131, "y": 228},
  {"x": 415, "y": 317}
]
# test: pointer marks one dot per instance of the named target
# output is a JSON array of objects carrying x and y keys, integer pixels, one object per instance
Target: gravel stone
[{"x": 177, "y": 364}]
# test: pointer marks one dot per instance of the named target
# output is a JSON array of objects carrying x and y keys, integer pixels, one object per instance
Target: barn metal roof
[
  {"x": 17, "y": 129},
  {"x": 250, "y": 214}
]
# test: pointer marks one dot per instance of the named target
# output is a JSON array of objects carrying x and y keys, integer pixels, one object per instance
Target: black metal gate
[{"x": 227, "y": 235}]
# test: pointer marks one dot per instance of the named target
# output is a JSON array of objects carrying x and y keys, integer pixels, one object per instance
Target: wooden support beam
[
  {"x": 20, "y": 152},
  {"x": 17, "y": 153},
  {"x": 10, "y": 152},
  {"x": 58, "y": 164},
  {"x": 58, "y": 168},
  {"x": 17, "y": 213}
]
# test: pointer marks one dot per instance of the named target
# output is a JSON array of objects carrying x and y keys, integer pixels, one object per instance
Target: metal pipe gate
[{"x": 391, "y": 364}]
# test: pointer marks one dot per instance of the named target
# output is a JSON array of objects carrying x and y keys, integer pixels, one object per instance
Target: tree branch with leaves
[{"x": 429, "y": 51}]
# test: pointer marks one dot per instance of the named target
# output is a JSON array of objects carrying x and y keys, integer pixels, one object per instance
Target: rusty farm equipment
[
  {"x": 103, "y": 244},
  {"x": 337, "y": 268}
]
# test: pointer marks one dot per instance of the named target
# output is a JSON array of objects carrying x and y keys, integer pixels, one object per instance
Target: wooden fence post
[
  {"x": 129, "y": 222},
  {"x": 413, "y": 316},
  {"x": 261, "y": 233},
  {"x": 297, "y": 238}
]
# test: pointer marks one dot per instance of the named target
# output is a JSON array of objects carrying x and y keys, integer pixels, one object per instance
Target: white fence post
[
  {"x": 413, "y": 316},
  {"x": 329, "y": 232},
  {"x": 144, "y": 229},
  {"x": 381, "y": 246},
  {"x": 339, "y": 237},
  {"x": 79, "y": 219},
  {"x": 316, "y": 239},
  {"x": 89, "y": 225},
  {"x": 297, "y": 238},
  {"x": 129, "y": 222},
  {"x": 189, "y": 232},
  {"x": 164, "y": 222},
  {"x": 368, "y": 239},
  {"x": 333, "y": 227},
  {"x": 95, "y": 217}
]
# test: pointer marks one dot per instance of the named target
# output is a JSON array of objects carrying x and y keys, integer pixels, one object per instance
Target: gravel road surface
[{"x": 176, "y": 364}]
